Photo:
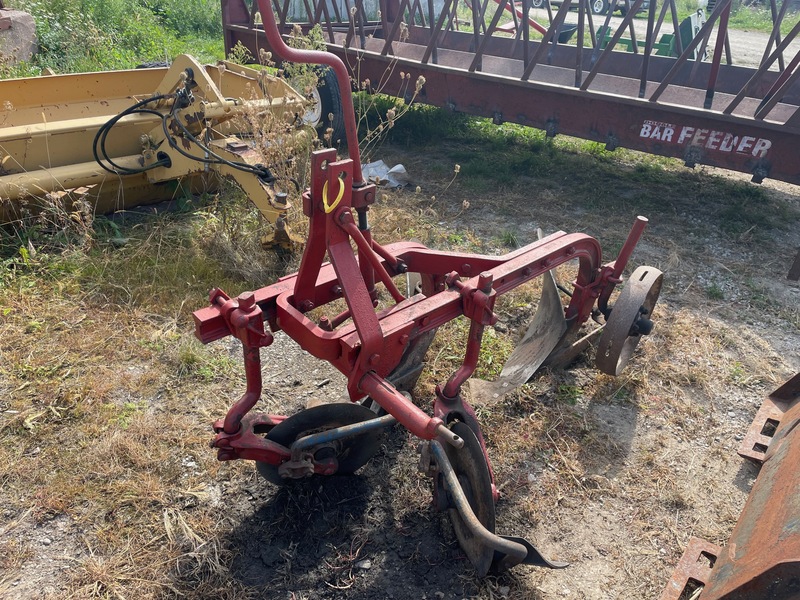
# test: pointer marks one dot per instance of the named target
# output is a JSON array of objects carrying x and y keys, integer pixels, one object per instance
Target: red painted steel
[
  {"x": 741, "y": 118},
  {"x": 367, "y": 343},
  {"x": 369, "y": 347}
]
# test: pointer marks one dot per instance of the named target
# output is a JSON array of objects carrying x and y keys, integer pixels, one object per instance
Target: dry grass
[{"x": 107, "y": 398}]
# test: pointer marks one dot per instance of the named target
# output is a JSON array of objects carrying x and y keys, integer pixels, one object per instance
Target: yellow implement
[{"x": 119, "y": 139}]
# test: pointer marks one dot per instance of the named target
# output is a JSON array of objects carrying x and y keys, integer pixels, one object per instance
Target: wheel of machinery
[
  {"x": 469, "y": 464},
  {"x": 630, "y": 319},
  {"x": 326, "y": 114},
  {"x": 600, "y": 7},
  {"x": 351, "y": 453},
  {"x": 537, "y": 3}
]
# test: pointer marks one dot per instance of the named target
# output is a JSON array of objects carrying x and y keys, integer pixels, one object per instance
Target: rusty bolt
[
  {"x": 485, "y": 282},
  {"x": 527, "y": 271},
  {"x": 403, "y": 339},
  {"x": 246, "y": 300},
  {"x": 306, "y": 305},
  {"x": 336, "y": 290},
  {"x": 466, "y": 268},
  {"x": 570, "y": 251},
  {"x": 374, "y": 359}
]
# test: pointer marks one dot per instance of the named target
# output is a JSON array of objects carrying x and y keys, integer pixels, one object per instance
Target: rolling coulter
[{"x": 379, "y": 340}]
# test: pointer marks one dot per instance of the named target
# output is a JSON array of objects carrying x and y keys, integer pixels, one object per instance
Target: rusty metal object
[
  {"x": 630, "y": 319},
  {"x": 770, "y": 415},
  {"x": 692, "y": 571},
  {"x": 762, "y": 557},
  {"x": 714, "y": 112},
  {"x": 544, "y": 333},
  {"x": 485, "y": 549},
  {"x": 470, "y": 468},
  {"x": 122, "y": 138}
]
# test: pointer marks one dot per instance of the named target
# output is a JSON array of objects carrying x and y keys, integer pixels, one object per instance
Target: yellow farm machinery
[{"x": 118, "y": 139}]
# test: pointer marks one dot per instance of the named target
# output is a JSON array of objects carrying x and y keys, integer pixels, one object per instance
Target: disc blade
[
  {"x": 470, "y": 467},
  {"x": 351, "y": 453}
]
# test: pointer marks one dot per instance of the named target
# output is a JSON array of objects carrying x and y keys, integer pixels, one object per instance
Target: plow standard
[{"x": 378, "y": 344}]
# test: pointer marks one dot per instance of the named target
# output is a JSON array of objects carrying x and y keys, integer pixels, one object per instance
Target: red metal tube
[
  {"x": 321, "y": 58},
  {"x": 472, "y": 353},
  {"x": 619, "y": 264},
  {"x": 365, "y": 251},
  {"x": 409, "y": 415},
  {"x": 252, "y": 371},
  {"x": 467, "y": 368}
]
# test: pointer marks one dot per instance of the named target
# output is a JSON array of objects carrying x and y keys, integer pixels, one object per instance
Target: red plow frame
[{"x": 375, "y": 346}]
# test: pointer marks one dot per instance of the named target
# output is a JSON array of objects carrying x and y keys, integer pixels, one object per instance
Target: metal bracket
[
  {"x": 693, "y": 568},
  {"x": 759, "y": 435}
]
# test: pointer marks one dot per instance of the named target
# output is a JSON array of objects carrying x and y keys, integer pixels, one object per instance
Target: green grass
[
  {"x": 118, "y": 34},
  {"x": 759, "y": 18}
]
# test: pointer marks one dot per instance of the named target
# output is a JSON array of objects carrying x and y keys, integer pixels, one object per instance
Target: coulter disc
[
  {"x": 470, "y": 466},
  {"x": 351, "y": 453}
]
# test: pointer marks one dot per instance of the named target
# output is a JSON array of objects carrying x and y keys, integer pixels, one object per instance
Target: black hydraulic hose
[
  {"x": 104, "y": 130},
  {"x": 259, "y": 170}
]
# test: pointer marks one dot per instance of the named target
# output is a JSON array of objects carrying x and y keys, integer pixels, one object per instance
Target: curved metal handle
[{"x": 320, "y": 58}]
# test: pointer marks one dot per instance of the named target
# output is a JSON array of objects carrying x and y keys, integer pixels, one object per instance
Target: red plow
[{"x": 379, "y": 340}]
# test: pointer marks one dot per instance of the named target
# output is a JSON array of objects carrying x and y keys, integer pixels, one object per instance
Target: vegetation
[
  {"x": 105, "y": 396},
  {"x": 96, "y": 35}
]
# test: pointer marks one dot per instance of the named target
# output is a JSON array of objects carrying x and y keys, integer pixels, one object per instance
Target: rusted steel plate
[
  {"x": 762, "y": 558},
  {"x": 693, "y": 570},
  {"x": 762, "y": 430}
]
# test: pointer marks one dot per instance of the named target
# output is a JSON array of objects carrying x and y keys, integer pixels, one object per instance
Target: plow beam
[{"x": 762, "y": 558}]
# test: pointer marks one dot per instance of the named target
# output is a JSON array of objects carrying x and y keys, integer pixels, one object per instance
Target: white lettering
[
  {"x": 686, "y": 133},
  {"x": 745, "y": 144},
  {"x": 761, "y": 148},
  {"x": 700, "y": 136},
  {"x": 729, "y": 142},
  {"x": 709, "y": 138},
  {"x": 713, "y": 140}
]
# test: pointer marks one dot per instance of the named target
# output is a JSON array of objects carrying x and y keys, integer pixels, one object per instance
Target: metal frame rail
[{"x": 703, "y": 111}]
